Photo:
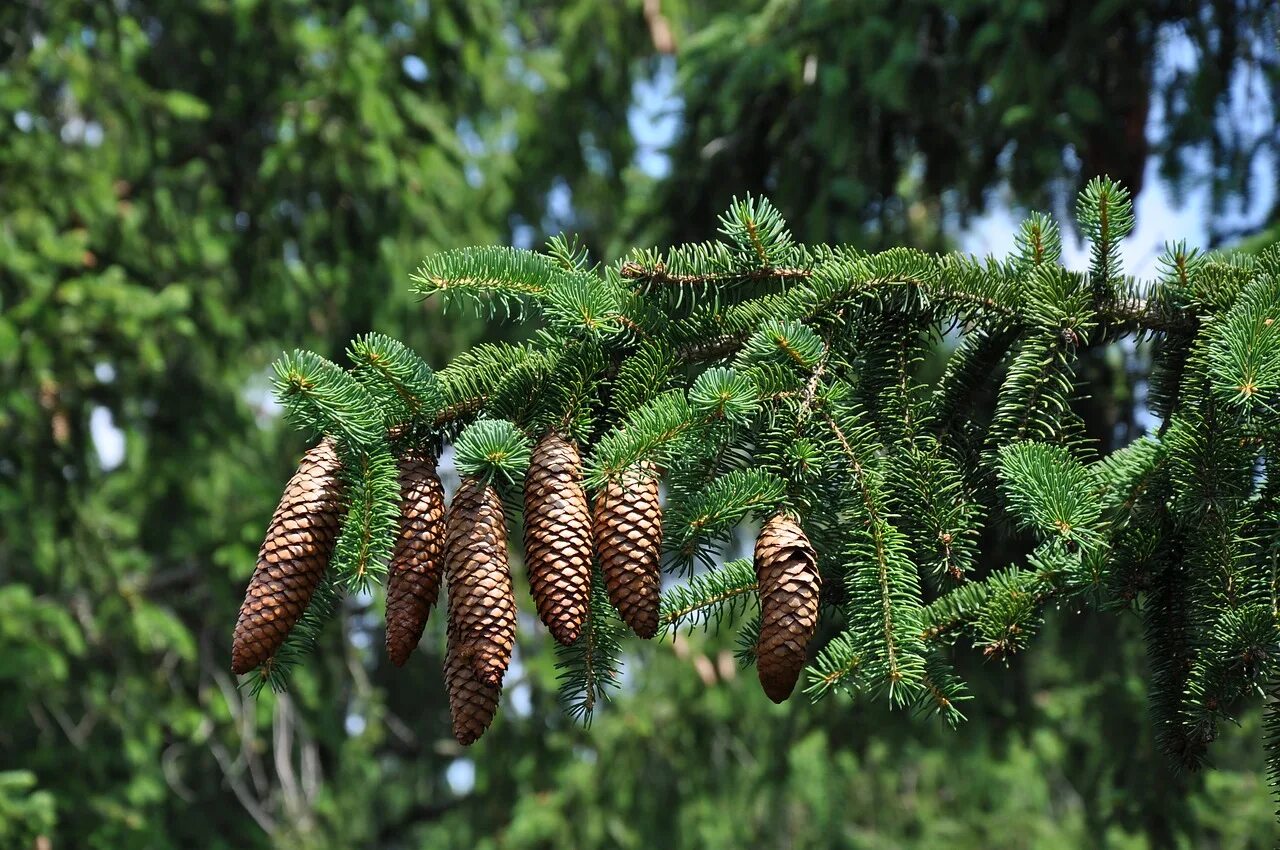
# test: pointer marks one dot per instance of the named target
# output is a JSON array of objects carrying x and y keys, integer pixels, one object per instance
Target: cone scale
[
  {"x": 417, "y": 564},
  {"x": 482, "y": 607},
  {"x": 292, "y": 560},
  {"x": 557, "y": 537},
  {"x": 472, "y": 702},
  {"x": 789, "y": 585},
  {"x": 628, "y": 538}
]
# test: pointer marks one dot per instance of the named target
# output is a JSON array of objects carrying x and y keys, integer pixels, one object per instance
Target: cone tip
[
  {"x": 645, "y": 631},
  {"x": 778, "y": 690},
  {"x": 567, "y": 635},
  {"x": 240, "y": 664}
]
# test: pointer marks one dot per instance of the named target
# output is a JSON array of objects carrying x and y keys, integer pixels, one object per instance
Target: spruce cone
[
  {"x": 418, "y": 562},
  {"x": 628, "y": 536},
  {"x": 557, "y": 537},
  {"x": 789, "y": 584},
  {"x": 472, "y": 703},
  {"x": 292, "y": 559},
  {"x": 482, "y": 605}
]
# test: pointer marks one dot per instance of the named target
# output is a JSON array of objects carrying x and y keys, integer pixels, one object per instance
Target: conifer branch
[
  {"x": 370, "y": 525},
  {"x": 589, "y": 667},
  {"x": 753, "y": 373},
  {"x": 709, "y": 598},
  {"x": 655, "y": 272}
]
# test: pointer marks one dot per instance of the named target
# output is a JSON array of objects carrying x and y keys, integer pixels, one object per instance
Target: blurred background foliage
[{"x": 188, "y": 187}]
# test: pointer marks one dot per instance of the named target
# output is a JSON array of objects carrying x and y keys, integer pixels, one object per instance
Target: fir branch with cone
[{"x": 779, "y": 382}]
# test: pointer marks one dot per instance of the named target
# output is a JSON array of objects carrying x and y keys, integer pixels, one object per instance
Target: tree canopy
[{"x": 191, "y": 188}]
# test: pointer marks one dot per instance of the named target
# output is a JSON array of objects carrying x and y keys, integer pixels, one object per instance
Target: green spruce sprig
[
  {"x": 753, "y": 372},
  {"x": 493, "y": 450},
  {"x": 590, "y": 667}
]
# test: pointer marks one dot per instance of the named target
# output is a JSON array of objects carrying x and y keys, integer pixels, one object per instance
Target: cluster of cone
[{"x": 467, "y": 548}]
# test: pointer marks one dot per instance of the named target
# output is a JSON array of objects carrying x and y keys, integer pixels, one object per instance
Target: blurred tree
[
  {"x": 690, "y": 756},
  {"x": 879, "y": 122},
  {"x": 189, "y": 187}
]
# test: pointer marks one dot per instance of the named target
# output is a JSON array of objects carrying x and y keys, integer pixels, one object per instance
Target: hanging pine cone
[
  {"x": 292, "y": 559},
  {"x": 472, "y": 703},
  {"x": 557, "y": 537},
  {"x": 413, "y": 578},
  {"x": 628, "y": 537},
  {"x": 789, "y": 584},
  {"x": 482, "y": 606}
]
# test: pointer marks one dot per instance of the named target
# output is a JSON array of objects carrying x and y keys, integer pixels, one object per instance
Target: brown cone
[
  {"x": 292, "y": 559},
  {"x": 482, "y": 606},
  {"x": 628, "y": 537},
  {"x": 557, "y": 537},
  {"x": 789, "y": 584},
  {"x": 413, "y": 578},
  {"x": 472, "y": 703}
]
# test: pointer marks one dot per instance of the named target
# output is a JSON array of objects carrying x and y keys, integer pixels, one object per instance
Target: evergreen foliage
[
  {"x": 792, "y": 382},
  {"x": 590, "y": 667},
  {"x": 190, "y": 188},
  {"x": 402, "y": 383},
  {"x": 711, "y": 597}
]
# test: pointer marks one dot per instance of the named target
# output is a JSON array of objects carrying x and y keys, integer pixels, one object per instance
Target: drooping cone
[
  {"x": 417, "y": 565},
  {"x": 557, "y": 537},
  {"x": 628, "y": 537},
  {"x": 482, "y": 605},
  {"x": 292, "y": 559},
  {"x": 472, "y": 703},
  {"x": 789, "y": 584}
]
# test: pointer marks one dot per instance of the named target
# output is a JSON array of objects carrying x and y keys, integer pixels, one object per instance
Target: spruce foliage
[{"x": 756, "y": 375}]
